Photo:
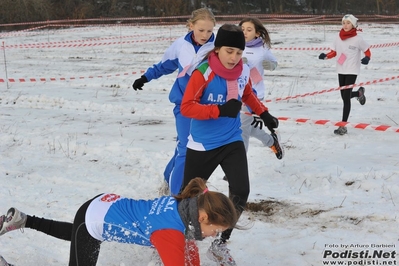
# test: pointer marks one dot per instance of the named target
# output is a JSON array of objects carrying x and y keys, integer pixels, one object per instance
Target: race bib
[
  {"x": 255, "y": 76},
  {"x": 341, "y": 59}
]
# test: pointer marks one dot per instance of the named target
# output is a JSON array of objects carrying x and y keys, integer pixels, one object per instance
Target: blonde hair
[
  {"x": 219, "y": 208},
  {"x": 200, "y": 14}
]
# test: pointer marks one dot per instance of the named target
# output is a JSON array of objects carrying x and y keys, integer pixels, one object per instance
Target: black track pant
[
  {"x": 84, "y": 248},
  {"x": 232, "y": 158},
  {"x": 347, "y": 94}
]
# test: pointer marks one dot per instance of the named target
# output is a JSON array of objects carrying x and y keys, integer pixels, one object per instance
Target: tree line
[{"x": 17, "y": 11}]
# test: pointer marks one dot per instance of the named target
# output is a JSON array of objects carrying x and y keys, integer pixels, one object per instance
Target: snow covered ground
[{"x": 66, "y": 139}]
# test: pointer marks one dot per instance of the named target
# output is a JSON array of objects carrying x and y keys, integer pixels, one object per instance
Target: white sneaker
[
  {"x": 13, "y": 221},
  {"x": 219, "y": 253}
]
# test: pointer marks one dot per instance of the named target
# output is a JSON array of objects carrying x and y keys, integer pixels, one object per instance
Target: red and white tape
[
  {"x": 83, "y": 44},
  {"x": 60, "y": 28},
  {"x": 374, "y": 46},
  {"x": 238, "y": 16},
  {"x": 72, "y": 43},
  {"x": 301, "y": 48},
  {"x": 24, "y": 80},
  {"x": 384, "y": 45},
  {"x": 91, "y": 43},
  {"x": 325, "y": 122},
  {"x": 333, "y": 89}
]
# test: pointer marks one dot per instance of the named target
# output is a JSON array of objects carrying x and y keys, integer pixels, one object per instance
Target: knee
[{"x": 240, "y": 194}]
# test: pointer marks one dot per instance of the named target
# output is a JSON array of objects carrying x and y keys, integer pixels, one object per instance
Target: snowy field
[{"x": 71, "y": 127}]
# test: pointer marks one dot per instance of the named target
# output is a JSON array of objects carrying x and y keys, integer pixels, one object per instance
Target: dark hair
[
  {"x": 259, "y": 28},
  {"x": 219, "y": 208}
]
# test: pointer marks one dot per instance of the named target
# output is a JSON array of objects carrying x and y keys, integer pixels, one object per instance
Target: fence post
[{"x": 5, "y": 64}]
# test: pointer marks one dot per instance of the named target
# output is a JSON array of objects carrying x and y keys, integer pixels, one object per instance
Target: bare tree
[{"x": 42, "y": 10}]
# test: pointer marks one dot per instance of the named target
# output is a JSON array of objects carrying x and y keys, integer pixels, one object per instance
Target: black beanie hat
[{"x": 230, "y": 38}]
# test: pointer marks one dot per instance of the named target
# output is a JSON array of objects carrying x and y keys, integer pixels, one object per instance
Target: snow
[{"x": 65, "y": 141}]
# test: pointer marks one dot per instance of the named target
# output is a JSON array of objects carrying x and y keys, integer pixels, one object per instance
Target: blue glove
[
  {"x": 365, "y": 60},
  {"x": 322, "y": 56}
]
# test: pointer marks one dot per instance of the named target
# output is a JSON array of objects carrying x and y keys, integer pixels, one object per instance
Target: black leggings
[
  {"x": 232, "y": 158},
  {"x": 84, "y": 248},
  {"x": 347, "y": 94}
]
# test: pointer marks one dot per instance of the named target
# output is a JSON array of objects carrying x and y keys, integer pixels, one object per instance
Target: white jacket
[
  {"x": 349, "y": 54},
  {"x": 255, "y": 57}
]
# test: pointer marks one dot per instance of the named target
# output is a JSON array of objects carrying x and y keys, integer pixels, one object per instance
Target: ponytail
[{"x": 219, "y": 208}]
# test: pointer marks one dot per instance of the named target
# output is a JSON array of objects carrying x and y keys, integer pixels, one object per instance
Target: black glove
[
  {"x": 257, "y": 122},
  {"x": 230, "y": 109},
  {"x": 365, "y": 60},
  {"x": 139, "y": 83},
  {"x": 322, "y": 56},
  {"x": 270, "y": 121}
]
